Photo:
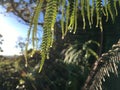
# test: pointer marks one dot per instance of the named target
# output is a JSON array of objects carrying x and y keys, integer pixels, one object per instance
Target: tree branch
[{"x": 19, "y": 14}]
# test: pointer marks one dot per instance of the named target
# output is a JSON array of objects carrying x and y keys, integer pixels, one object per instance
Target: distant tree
[
  {"x": 1, "y": 41},
  {"x": 21, "y": 44}
]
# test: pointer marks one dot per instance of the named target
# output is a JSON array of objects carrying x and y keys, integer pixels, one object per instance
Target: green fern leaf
[
  {"x": 33, "y": 30},
  {"x": 83, "y": 12},
  {"x": 107, "y": 63},
  {"x": 48, "y": 27},
  {"x": 63, "y": 19},
  {"x": 99, "y": 9},
  {"x": 88, "y": 12},
  {"x": 111, "y": 9},
  {"x": 67, "y": 17}
]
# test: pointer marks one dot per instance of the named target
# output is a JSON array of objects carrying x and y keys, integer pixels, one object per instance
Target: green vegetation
[
  {"x": 69, "y": 57},
  {"x": 1, "y": 41}
]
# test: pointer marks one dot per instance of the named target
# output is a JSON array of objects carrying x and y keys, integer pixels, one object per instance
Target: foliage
[
  {"x": 9, "y": 72},
  {"x": 1, "y": 41},
  {"x": 70, "y": 11},
  {"x": 107, "y": 63},
  {"x": 78, "y": 56},
  {"x": 15, "y": 76},
  {"x": 20, "y": 44}
]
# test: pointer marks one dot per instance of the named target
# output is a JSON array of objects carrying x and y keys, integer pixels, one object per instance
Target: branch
[{"x": 19, "y": 13}]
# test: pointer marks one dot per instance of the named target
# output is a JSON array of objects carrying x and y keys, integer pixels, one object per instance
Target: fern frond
[
  {"x": 106, "y": 10},
  {"x": 63, "y": 19},
  {"x": 106, "y": 64},
  {"x": 26, "y": 47},
  {"x": 48, "y": 27},
  {"x": 73, "y": 17},
  {"x": 76, "y": 12},
  {"x": 111, "y": 9},
  {"x": 92, "y": 10},
  {"x": 119, "y": 2},
  {"x": 92, "y": 52},
  {"x": 115, "y": 6},
  {"x": 88, "y": 12},
  {"x": 74, "y": 54},
  {"x": 83, "y": 13},
  {"x": 99, "y": 13},
  {"x": 35, "y": 22},
  {"x": 33, "y": 28},
  {"x": 67, "y": 17}
]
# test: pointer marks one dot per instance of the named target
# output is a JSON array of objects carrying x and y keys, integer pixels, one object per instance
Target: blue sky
[{"x": 11, "y": 27}]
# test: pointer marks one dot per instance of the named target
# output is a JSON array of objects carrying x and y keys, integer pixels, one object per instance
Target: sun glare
[
  {"x": 10, "y": 29},
  {"x": 10, "y": 37}
]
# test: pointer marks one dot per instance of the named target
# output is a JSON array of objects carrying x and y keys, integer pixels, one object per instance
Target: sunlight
[
  {"x": 10, "y": 37},
  {"x": 11, "y": 29}
]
